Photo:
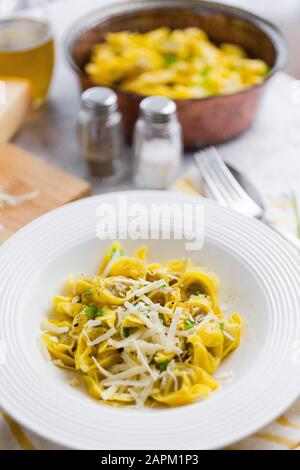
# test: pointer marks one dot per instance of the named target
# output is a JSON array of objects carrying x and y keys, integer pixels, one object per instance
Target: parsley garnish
[
  {"x": 206, "y": 72},
  {"x": 88, "y": 293},
  {"x": 90, "y": 311},
  {"x": 222, "y": 326},
  {"x": 121, "y": 252},
  {"x": 170, "y": 59},
  {"x": 197, "y": 292},
  {"x": 125, "y": 332},
  {"x": 189, "y": 324},
  {"x": 163, "y": 366}
]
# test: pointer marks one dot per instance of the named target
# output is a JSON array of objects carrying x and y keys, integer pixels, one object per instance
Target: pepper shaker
[
  {"x": 101, "y": 134},
  {"x": 157, "y": 143}
]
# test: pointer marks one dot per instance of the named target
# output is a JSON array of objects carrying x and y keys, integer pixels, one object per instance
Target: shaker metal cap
[
  {"x": 99, "y": 99},
  {"x": 158, "y": 108}
]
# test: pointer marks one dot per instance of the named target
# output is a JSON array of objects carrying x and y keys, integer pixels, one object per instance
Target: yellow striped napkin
[{"x": 282, "y": 434}]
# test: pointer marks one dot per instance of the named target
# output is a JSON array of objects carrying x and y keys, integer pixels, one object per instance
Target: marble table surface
[{"x": 269, "y": 152}]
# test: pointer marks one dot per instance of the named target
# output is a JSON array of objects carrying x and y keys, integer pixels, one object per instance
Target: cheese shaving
[
  {"x": 143, "y": 359},
  {"x": 145, "y": 290},
  {"x": 224, "y": 376},
  {"x": 102, "y": 338},
  {"x": 173, "y": 327},
  {"x": 100, "y": 368},
  {"x": 47, "y": 326},
  {"x": 228, "y": 335},
  {"x": 7, "y": 199},
  {"x": 74, "y": 382},
  {"x": 109, "y": 393},
  {"x": 126, "y": 374},
  {"x": 126, "y": 383},
  {"x": 93, "y": 323},
  {"x": 159, "y": 308},
  {"x": 110, "y": 264}
]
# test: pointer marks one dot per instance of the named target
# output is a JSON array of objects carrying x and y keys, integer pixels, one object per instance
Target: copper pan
[{"x": 205, "y": 121}]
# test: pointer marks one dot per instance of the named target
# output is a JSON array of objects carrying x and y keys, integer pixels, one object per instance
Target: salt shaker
[
  {"x": 157, "y": 143},
  {"x": 101, "y": 134}
]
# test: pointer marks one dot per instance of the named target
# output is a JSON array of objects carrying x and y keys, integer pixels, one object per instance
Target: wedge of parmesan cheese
[{"x": 15, "y": 100}]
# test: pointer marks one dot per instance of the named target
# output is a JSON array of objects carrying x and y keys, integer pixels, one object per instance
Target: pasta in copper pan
[{"x": 179, "y": 64}]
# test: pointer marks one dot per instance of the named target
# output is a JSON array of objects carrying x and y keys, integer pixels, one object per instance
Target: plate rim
[{"x": 90, "y": 201}]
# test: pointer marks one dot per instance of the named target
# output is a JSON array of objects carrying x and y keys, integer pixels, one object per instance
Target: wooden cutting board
[{"x": 20, "y": 173}]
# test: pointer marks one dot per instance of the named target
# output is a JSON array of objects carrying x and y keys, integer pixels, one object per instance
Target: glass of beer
[{"x": 27, "y": 51}]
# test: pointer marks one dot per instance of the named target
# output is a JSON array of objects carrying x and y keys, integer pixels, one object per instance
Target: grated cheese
[
  {"x": 170, "y": 372},
  {"x": 143, "y": 359},
  {"x": 126, "y": 374},
  {"x": 120, "y": 314},
  {"x": 228, "y": 335},
  {"x": 109, "y": 265},
  {"x": 59, "y": 362},
  {"x": 136, "y": 397},
  {"x": 224, "y": 375},
  {"x": 147, "y": 347},
  {"x": 54, "y": 339},
  {"x": 145, "y": 290},
  {"x": 74, "y": 382},
  {"x": 93, "y": 323},
  {"x": 48, "y": 326},
  {"x": 172, "y": 329},
  {"x": 160, "y": 331},
  {"x": 159, "y": 308},
  {"x": 127, "y": 359},
  {"x": 103, "y": 371},
  {"x": 211, "y": 316},
  {"x": 127, "y": 383},
  {"x": 124, "y": 342},
  {"x": 107, "y": 394},
  {"x": 144, "y": 394},
  {"x": 7, "y": 199},
  {"x": 138, "y": 311},
  {"x": 101, "y": 338},
  {"x": 134, "y": 282}
]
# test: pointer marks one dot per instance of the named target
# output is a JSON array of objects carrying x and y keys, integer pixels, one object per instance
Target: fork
[{"x": 222, "y": 186}]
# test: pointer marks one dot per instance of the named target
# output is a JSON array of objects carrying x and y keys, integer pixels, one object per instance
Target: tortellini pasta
[
  {"x": 142, "y": 334},
  {"x": 176, "y": 63}
]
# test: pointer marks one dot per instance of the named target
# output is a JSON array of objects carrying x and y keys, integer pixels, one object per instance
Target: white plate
[{"x": 260, "y": 277}]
